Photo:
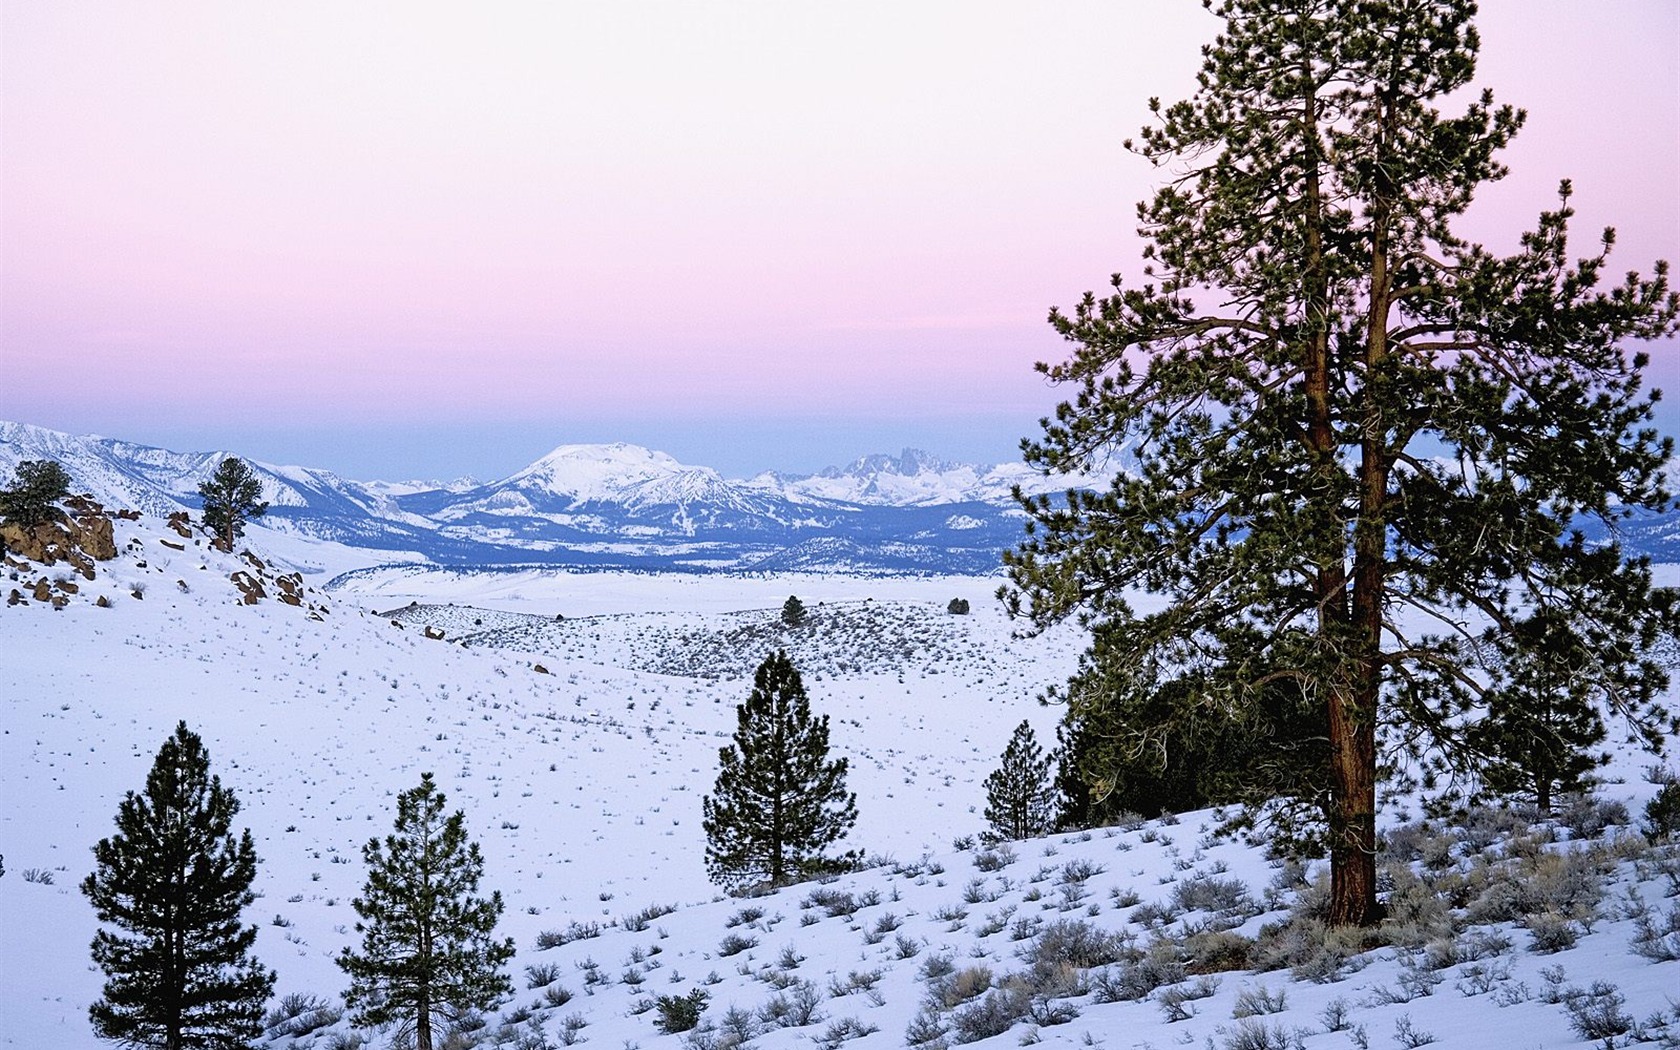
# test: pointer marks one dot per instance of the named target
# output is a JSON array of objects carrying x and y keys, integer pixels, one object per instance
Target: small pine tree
[
  {"x": 779, "y": 801},
  {"x": 428, "y": 953},
  {"x": 230, "y": 499},
  {"x": 1020, "y": 801},
  {"x": 36, "y": 486},
  {"x": 173, "y": 880},
  {"x": 1541, "y": 725},
  {"x": 793, "y": 611}
]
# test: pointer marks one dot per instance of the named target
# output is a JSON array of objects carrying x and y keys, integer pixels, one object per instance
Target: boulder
[{"x": 92, "y": 533}]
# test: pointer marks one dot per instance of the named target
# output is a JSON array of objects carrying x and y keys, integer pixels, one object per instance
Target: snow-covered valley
[{"x": 579, "y": 748}]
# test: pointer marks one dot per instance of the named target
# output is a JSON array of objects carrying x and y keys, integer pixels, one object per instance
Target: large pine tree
[
  {"x": 429, "y": 953},
  {"x": 173, "y": 881},
  {"x": 779, "y": 800},
  {"x": 1020, "y": 800},
  {"x": 1383, "y": 440}
]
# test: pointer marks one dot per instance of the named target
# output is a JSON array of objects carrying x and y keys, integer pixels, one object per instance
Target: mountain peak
[{"x": 585, "y": 472}]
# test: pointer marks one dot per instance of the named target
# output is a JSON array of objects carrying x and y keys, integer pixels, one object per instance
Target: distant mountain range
[{"x": 601, "y": 506}]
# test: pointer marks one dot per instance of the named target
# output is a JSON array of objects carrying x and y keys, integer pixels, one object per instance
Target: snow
[{"x": 582, "y": 782}]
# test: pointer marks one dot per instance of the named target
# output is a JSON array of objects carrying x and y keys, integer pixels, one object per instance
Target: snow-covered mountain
[
  {"x": 611, "y": 505},
  {"x": 911, "y": 478}
]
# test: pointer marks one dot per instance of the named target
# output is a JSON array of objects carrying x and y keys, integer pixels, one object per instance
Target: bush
[
  {"x": 298, "y": 1015},
  {"x": 958, "y": 607},
  {"x": 1070, "y": 942},
  {"x": 794, "y": 1008},
  {"x": 640, "y": 921},
  {"x": 1551, "y": 932},
  {"x": 1252, "y": 1002},
  {"x": 538, "y": 975},
  {"x": 1587, "y": 817},
  {"x": 993, "y": 1015},
  {"x": 1211, "y": 893},
  {"x": 679, "y": 1013},
  {"x": 1215, "y": 951},
  {"x": 835, "y": 903},
  {"x": 1256, "y": 1035},
  {"x": 844, "y": 1029},
  {"x": 577, "y": 931},
  {"x": 1658, "y": 941},
  {"x": 1134, "y": 979},
  {"x": 1175, "y": 1001},
  {"x": 735, "y": 944},
  {"x": 1596, "y": 1013},
  {"x": 1662, "y": 814},
  {"x": 953, "y": 988}
]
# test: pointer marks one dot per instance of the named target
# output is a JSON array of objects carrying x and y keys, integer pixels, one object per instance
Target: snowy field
[{"x": 579, "y": 749}]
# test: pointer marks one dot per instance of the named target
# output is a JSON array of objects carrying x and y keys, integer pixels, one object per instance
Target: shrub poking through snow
[{"x": 680, "y": 1013}]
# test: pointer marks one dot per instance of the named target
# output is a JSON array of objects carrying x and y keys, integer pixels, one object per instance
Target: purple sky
[{"x": 417, "y": 239}]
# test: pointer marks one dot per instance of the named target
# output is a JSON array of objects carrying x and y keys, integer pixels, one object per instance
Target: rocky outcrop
[{"x": 82, "y": 536}]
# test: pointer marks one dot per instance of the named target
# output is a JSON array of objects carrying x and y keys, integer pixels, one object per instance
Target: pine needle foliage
[
  {"x": 37, "y": 486},
  {"x": 779, "y": 800},
  {"x": 230, "y": 498},
  {"x": 1020, "y": 800},
  {"x": 1383, "y": 441},
  {"x": 1541, "y": 726},
  {"x": 172, "y": 882},
  {"x": 428, "y": 951}
]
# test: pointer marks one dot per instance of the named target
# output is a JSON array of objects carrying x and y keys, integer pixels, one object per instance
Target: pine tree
[
  {"x": 428, "y": 948},
  {"x": 1380, "y": 417},
  {"x": 1541, "y": 726},
  {"x": 779, "y": 800},
  {"x": 36, "y": 486},
  {"x": 230, "y": 499},
  {"x": 1020, "y": 801},
  {"x": 793, "y": 611},
  {"x": 1147, "y": 743},
  {"x": 173, "y": 881}
]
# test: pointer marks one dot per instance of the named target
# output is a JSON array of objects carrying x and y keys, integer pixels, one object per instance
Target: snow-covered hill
[
  {"x": 579, "y": 749},
  {"x": 598, "y": 506}
]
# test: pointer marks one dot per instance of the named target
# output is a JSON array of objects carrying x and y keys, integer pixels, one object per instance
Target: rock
[
  {"x": 68, "y": 587},
  {"x": 433, "y": 633},
  {"x": 181, "y": 523},
  {"x": 102, "y": 602},
  {"x": 539, "y": 668},
  {"x": 249, "y": 586},
  {"x": 172, "y": 545},
  {"x": 43, "y": 590},
  {"x": 92, "y": 533},
  {"x": 15, "y": 598}
]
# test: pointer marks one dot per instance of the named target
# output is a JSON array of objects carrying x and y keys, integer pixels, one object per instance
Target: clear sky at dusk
[{"x": 407, "y": 239}]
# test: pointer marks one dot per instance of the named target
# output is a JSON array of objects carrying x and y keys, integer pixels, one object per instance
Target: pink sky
[{"x": 557, "y": 222}]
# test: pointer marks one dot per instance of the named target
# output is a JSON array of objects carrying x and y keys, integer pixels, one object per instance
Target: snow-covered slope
[{"x": 579, "y": 751}]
